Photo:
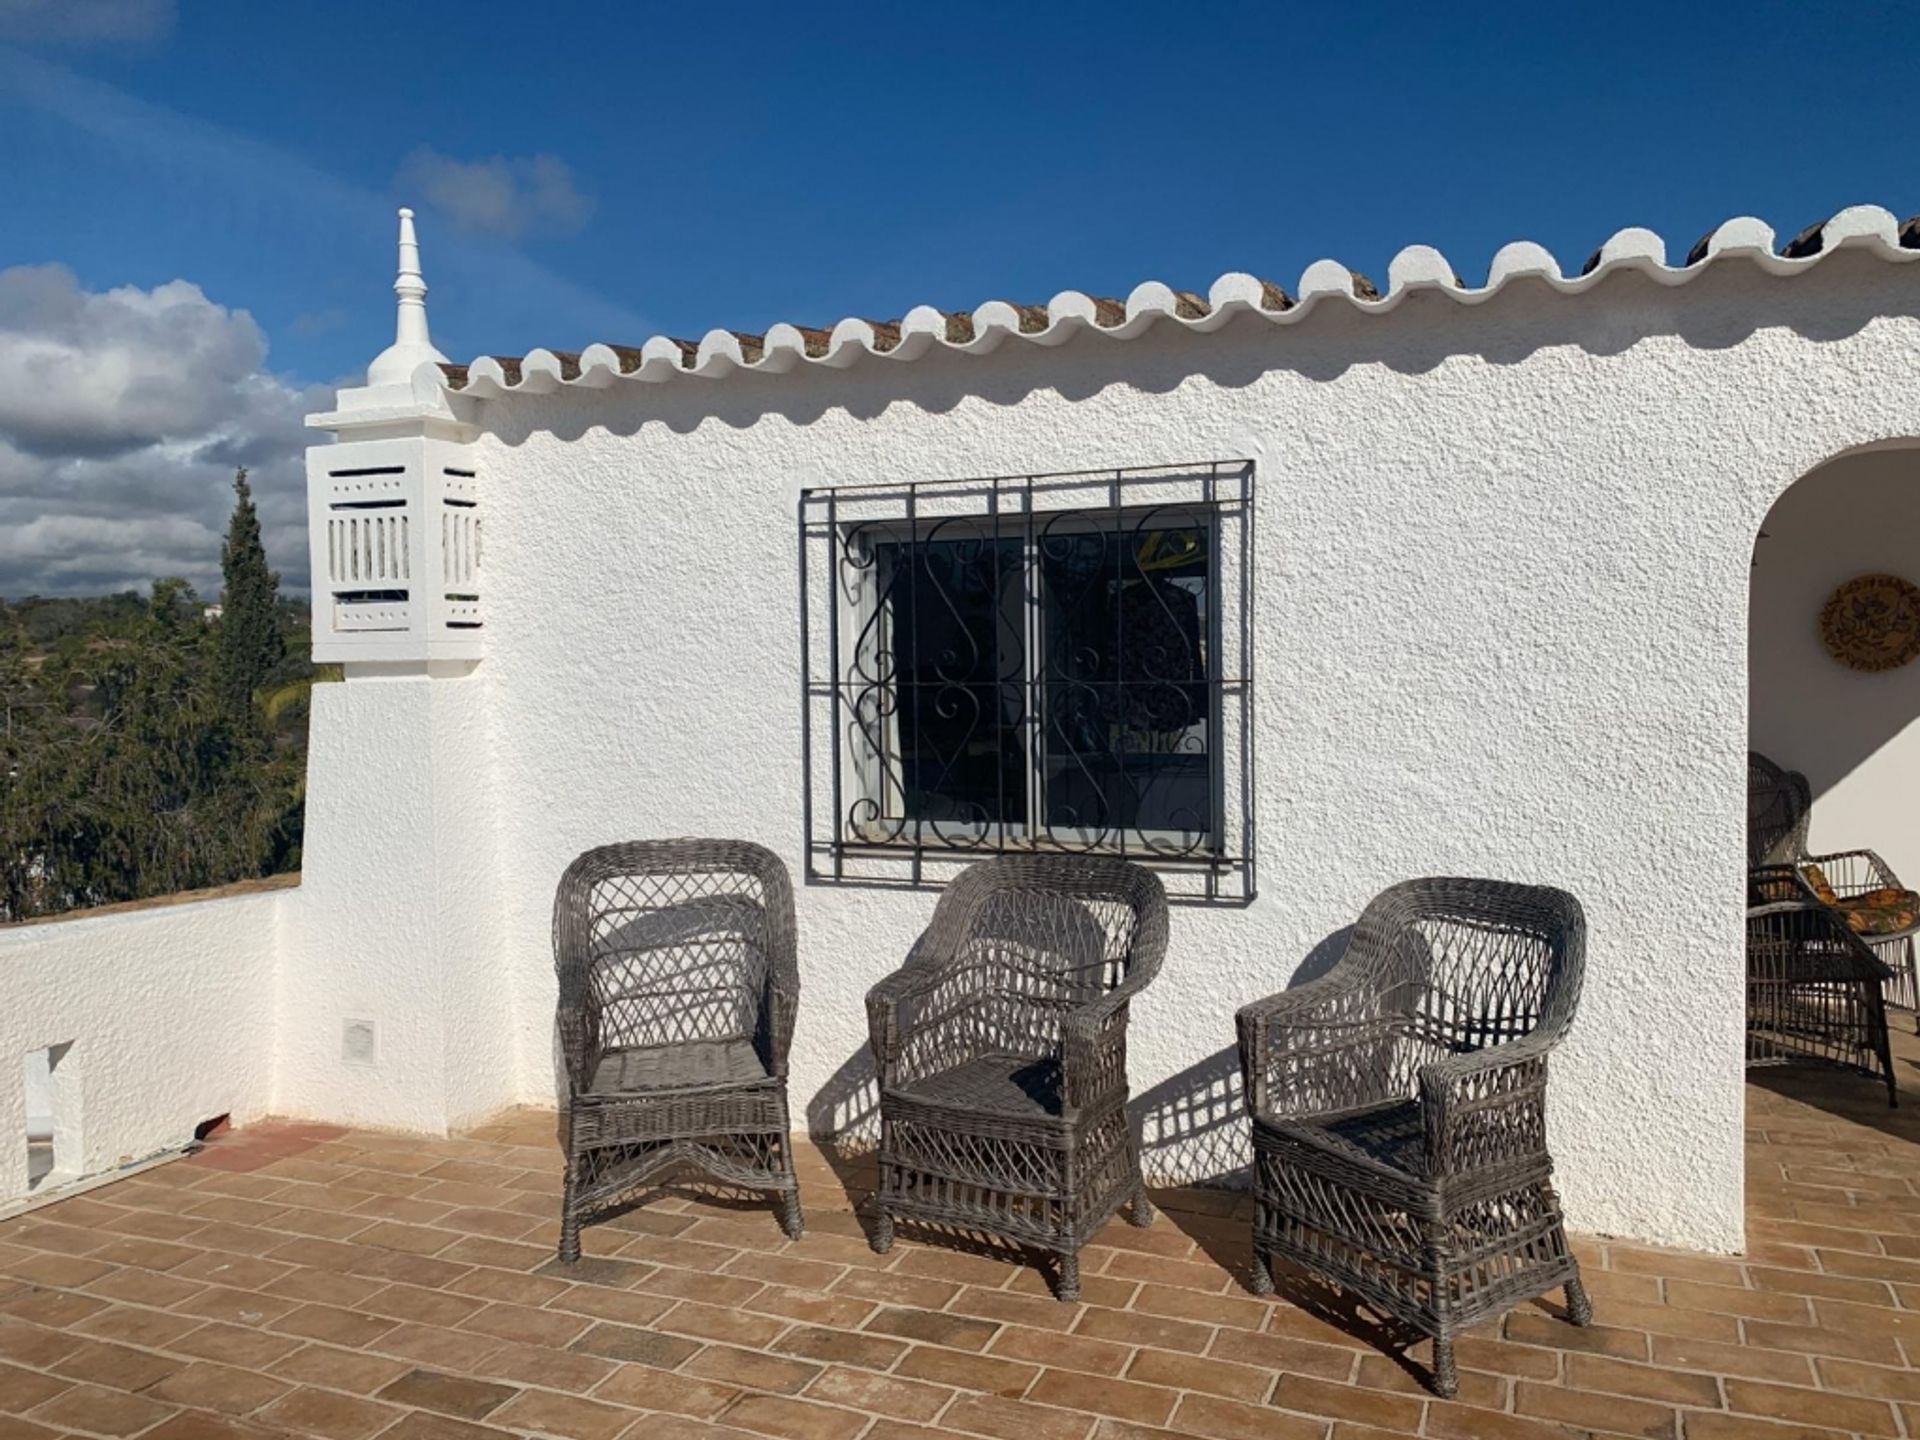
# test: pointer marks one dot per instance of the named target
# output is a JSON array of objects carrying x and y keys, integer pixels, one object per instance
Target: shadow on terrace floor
[{"x": 309, "y": 1280}]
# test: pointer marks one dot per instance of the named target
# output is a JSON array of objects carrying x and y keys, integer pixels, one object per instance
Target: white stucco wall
[
  {"x": 1853, "y": 734},
  {"x": 169, "y": 1012},
  {"x": 1503, "y": 562},
  {"x": 398, "y": 921}
]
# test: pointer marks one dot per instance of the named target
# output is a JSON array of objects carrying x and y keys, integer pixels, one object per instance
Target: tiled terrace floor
[{"x": 295, "y": 1280}]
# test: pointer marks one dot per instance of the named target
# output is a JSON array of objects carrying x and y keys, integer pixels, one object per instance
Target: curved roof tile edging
[{"x": 1415, "y": 269}]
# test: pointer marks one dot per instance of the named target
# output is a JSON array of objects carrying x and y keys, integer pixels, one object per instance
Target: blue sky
[{"x": 602, "y": 172}]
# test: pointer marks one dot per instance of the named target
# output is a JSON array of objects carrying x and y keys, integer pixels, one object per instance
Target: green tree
[
  {"x": 251, "y": 644},
  {"x": 126, "y": 773}
]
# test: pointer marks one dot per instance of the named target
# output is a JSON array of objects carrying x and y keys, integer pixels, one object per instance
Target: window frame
[{"x": 858, "y": 828}]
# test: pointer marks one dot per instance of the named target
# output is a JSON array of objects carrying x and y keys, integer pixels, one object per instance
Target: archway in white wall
[{"x": 1854, "y": 733}]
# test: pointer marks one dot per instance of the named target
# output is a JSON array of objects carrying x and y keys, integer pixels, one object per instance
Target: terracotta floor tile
[
  {"x": 461, "y": 1396},
  {"x": 790, "y": 1419},
  {"x": 336, "y": 1326},
  {"x": 240, "y": 1307},
  {"x": 207, "y": 1386},
  {"x": 430, "y": 1345},
  {"x": 119, "y": 1366},
  {"x": 564, "y": 1415},
  {"x": 553, "y": 1369},
  {"x": 141, "y": 1287},
  {"x": 645, "y": 1388},
  {"x": 336, "y": 1284},
  {"x": 235, "y": 1345},
  {"x": 1013, "y": 1419},
  {"x": 55, "y": 1309},
  {"x": 22, "y": 1389},
  {"x": 101, "y": 1412},
  {"x": 334, "y": 1369},
  {"x": 632, "y": 1344}
]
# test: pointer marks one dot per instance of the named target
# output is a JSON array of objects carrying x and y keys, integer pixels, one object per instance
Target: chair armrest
[
  {"x": 1094, "y": 1042},
  {"x": 579, "y": 1038},
  {"x": 914, "y": 1003},
  {"x": 1487, "y": 1107},
  {"x": 1855, "y": 872},
  {"x": 782, "y": 1003},
  {"x": 1805, "y": 942},
  {"x": 1778, "y": 884},
  {"x": 1310, "y": 1050}
]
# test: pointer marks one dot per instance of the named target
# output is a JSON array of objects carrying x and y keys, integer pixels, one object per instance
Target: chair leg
[
  {"x": 1882, "y": 1042},
  {"x": 569, "y": 1222},
  {"x": 1579, "y": 1307},
  {"x": 1260, "y": 1277},
  {"x": 1140, "y": 1214},
  {"x": 1913, "y": 985},
  {"x": 791, "y": 1219},
  {"x": 1068, "y": 1289},
  {"x": 881, "y": 1238},
  {"x": 1446, "y": 1376}
]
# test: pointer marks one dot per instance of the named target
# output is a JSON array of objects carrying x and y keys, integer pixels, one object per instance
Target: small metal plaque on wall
[{"x": 1873, "y": 623}]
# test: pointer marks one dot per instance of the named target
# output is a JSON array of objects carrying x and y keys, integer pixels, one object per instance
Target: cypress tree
[{"x": 251, "y": 645}]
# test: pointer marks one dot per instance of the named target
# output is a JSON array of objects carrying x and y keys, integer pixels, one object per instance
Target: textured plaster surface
[
  {"x": 170, "y": 1017},
  {"x": 1503, "y": 563},
  {"x": 397, "y": 920},
  {"x": 1852, "y": 733}
]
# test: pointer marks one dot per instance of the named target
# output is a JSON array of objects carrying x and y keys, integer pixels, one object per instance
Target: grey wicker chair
[
  {"x": 678, "y": 988},
  {"x": 1857, "y": 884},
  {"x": 1779, "y": 806},
  {"x": 1815, "y": 993},
  {"x": 1399, "y": 1108},
  {"x": 1002, "y": 1051}
]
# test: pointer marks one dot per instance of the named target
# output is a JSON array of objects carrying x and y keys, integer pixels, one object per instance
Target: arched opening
[{"x": 1834, "y": 694}]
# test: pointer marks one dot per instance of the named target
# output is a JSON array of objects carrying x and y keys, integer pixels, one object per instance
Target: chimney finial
[{"x": 412, "y": 346}]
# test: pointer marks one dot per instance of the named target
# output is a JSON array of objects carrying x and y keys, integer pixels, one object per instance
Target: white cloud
[
  {"x": 122, "y": 416},
  {"x": 502, "y": 197},
  {"x": 87, "y": 22}
]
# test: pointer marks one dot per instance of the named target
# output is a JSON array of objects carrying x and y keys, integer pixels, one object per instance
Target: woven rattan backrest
[
  {"x": 1045, "y": 934},
  {"x": 1474, "y": 963},
  {"x": 668, "y": 941},
  {"x": 1800, "y": 942},
  {"x": 1779, "y": 805}
]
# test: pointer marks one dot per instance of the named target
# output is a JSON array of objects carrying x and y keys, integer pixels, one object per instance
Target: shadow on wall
[
  {"x": 1191, "y": 1127},
  {"x": 1842, "y": 728},
  {"x": 1719, "y": 309}
]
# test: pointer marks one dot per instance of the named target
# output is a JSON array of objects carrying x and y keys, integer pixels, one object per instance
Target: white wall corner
[
  {"x": 398, "y": 919},
  {"x": 394, "y": 512}
]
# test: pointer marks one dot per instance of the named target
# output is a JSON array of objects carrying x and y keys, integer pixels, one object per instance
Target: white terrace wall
[
  {"x": 1855, "y": 735},
  {"x": 1503, "y": 578},
  {"x": 168, "y": 1013}
]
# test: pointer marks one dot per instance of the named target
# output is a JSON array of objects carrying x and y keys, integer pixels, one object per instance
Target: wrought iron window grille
[{"x": 1044, "y": 663}]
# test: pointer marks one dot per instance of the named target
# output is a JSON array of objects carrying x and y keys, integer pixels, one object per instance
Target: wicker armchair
[
  {"x": 1857, "y": 884},
  {"x": 1815, "y": 993},
  {"x": 1779, "y": 806},
  {"x": 1002, "y": 1050},
  {"x": 1399, "y": 1108},
  {"x": 678, "y": 989}
]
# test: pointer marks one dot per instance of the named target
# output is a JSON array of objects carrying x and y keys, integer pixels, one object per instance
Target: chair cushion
[
  {"x": 1013, "y": 1085},
  {"x": 1880, "y": 912},
  {"x": 1393, "y": 1134},
  {"x": 1817, "y": 881},
  {"x": 692, "y": 1064}
]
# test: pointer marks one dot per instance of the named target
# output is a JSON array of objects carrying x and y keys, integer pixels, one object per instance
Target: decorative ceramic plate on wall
[{"x": 1873, "y": 622}]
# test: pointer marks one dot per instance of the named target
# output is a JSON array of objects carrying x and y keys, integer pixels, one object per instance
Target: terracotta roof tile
[{"x": 1418, "y": 268}]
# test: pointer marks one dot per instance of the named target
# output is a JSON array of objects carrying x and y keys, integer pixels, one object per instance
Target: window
[{"x": 1035, "y": 663}]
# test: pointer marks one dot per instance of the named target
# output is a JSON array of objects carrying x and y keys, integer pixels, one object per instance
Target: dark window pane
[
  {"x": 957, "y": 638},
  {"x": 1126, "y": 745}
]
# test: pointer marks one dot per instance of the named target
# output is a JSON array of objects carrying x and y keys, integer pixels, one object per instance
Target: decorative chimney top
[{"x": 412, "y": 346}]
